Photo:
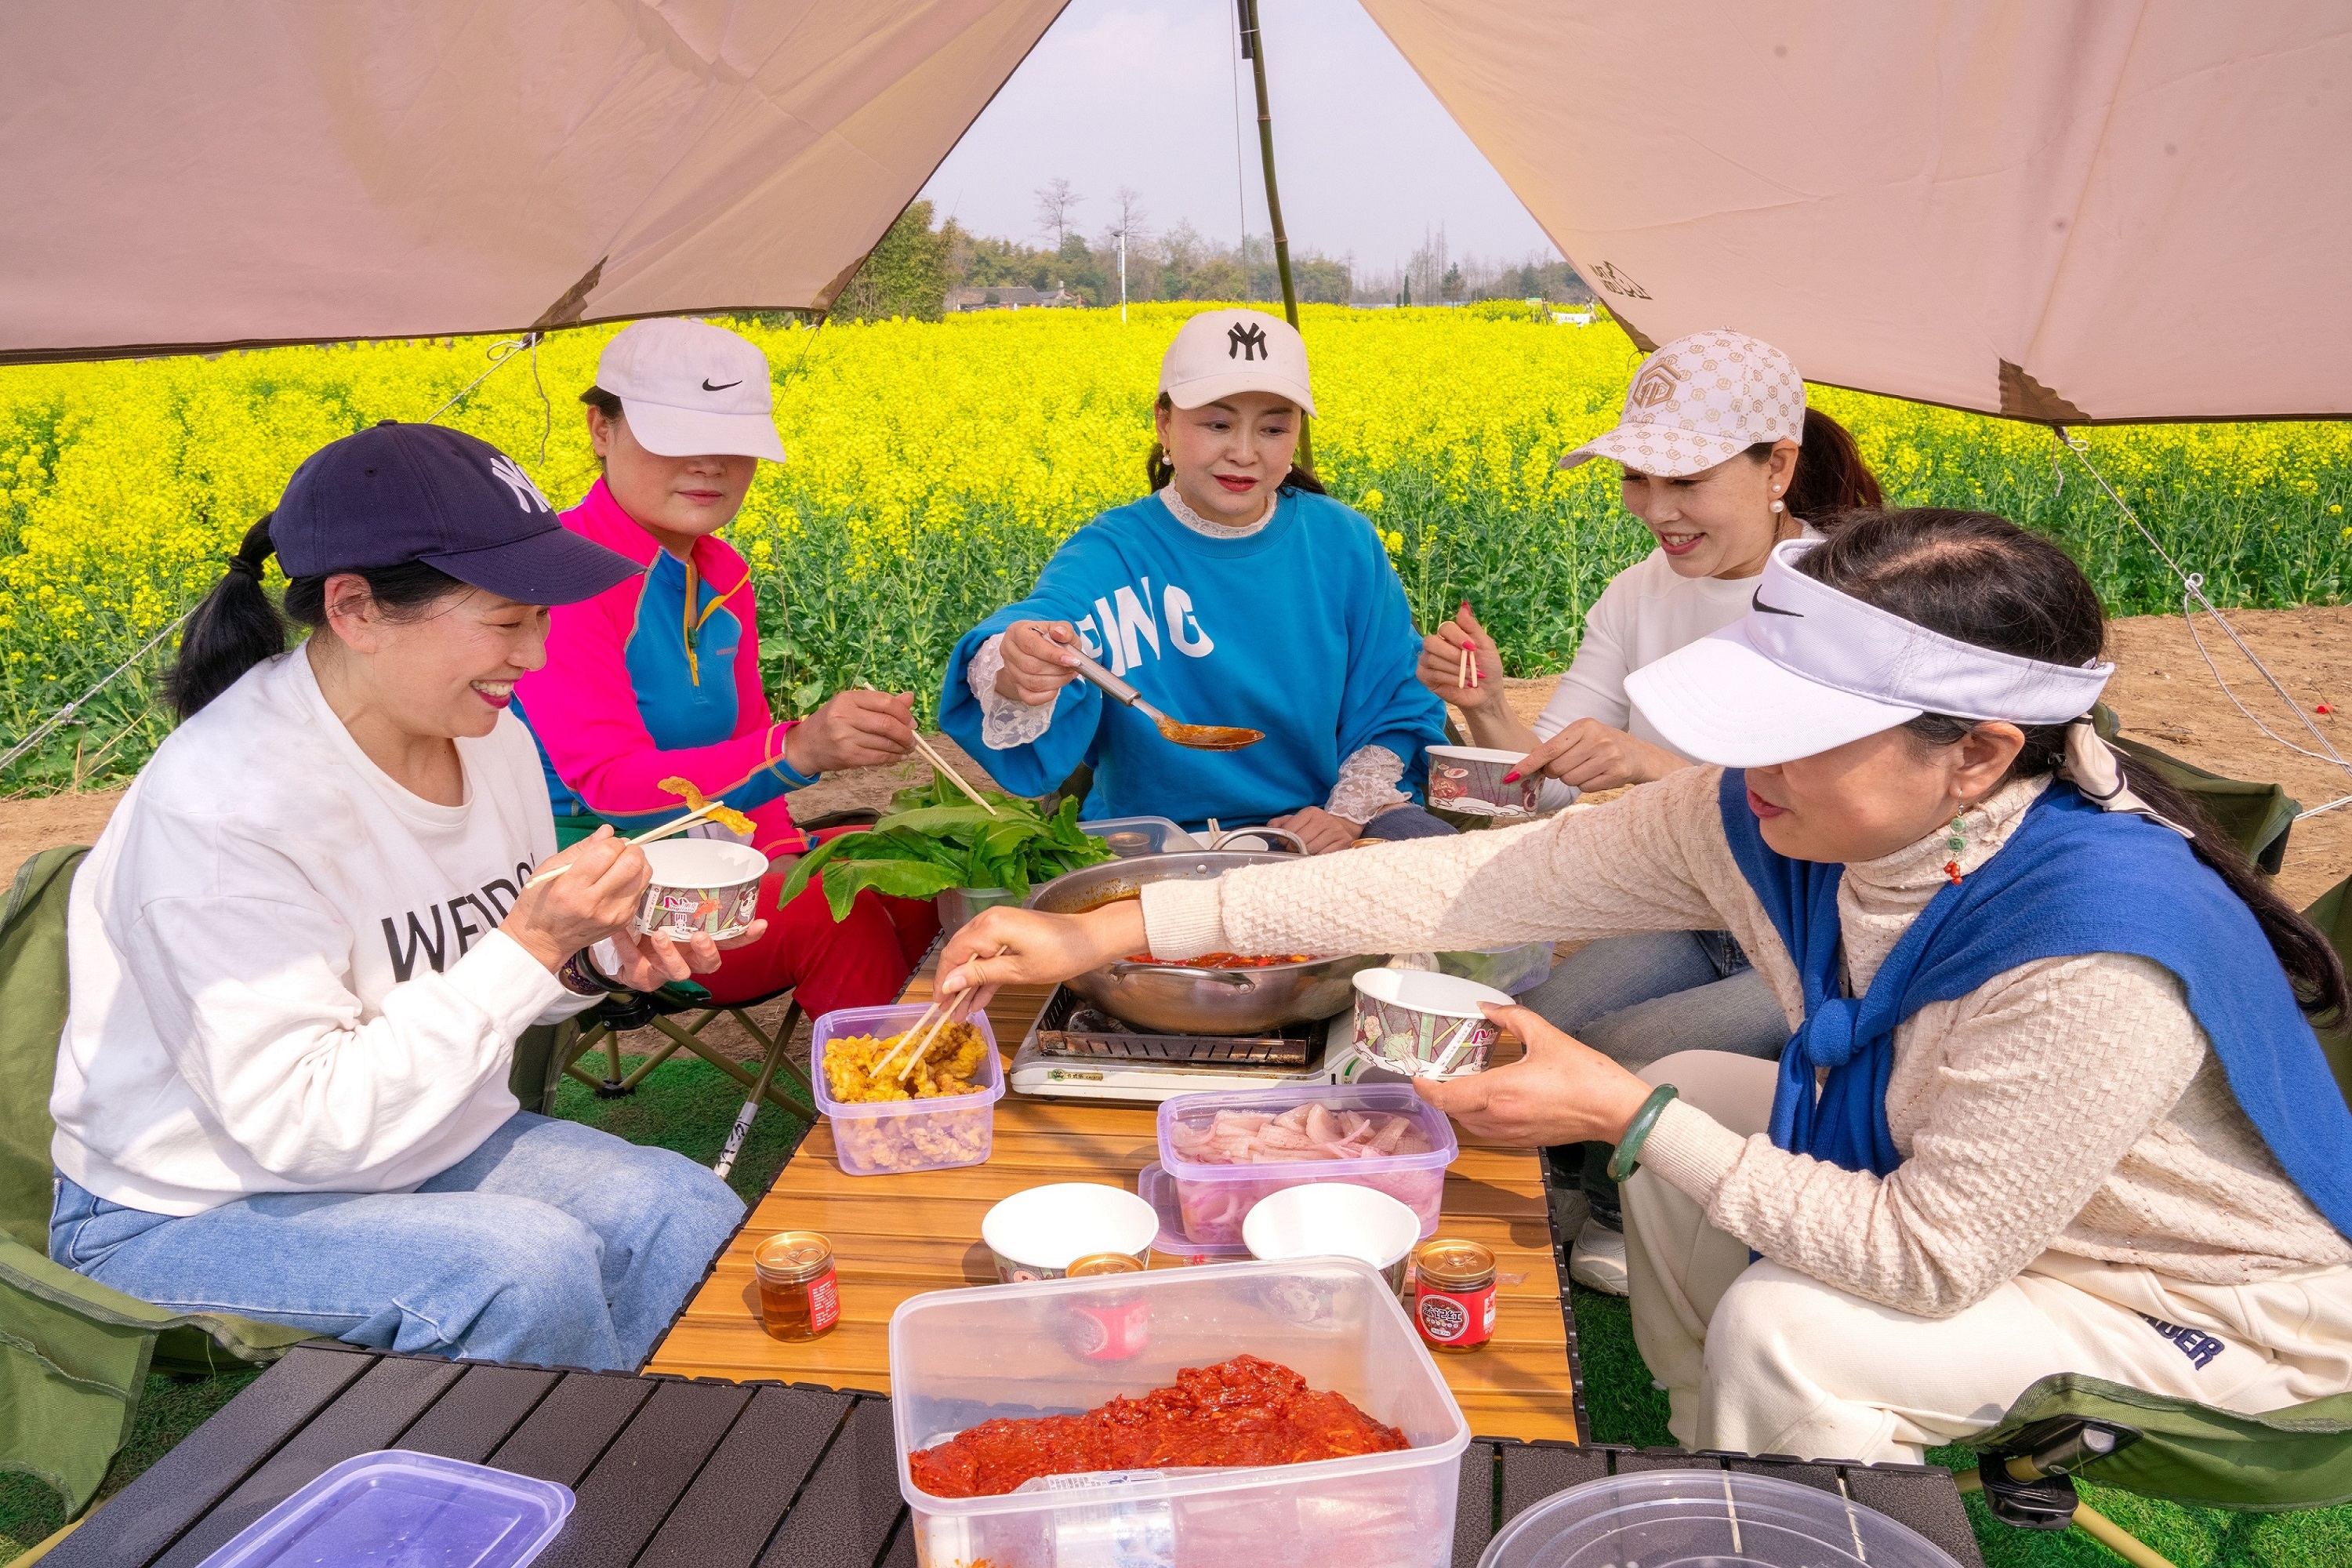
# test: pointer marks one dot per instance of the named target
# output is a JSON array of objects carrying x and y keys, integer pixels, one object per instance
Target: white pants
[{"x": 1760, "y": 1359}]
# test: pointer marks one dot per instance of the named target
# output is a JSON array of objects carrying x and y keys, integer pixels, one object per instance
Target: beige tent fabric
[
  {"x": 2060, "y": 209},
  {"x": 251, "y": 171}
]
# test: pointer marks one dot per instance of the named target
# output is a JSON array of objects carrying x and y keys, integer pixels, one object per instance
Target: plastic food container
[
  {"x": 1172, "y": 1247},
  {"x": 1215, "y": 1200},
  {"x": 1720, "y": 1517},
  {"x": 891, "y": 1137},
  {"x": 959, "y": 1357},
  {"x": 418, "y": 1511},
  {"x": 1131, "y": 836}
]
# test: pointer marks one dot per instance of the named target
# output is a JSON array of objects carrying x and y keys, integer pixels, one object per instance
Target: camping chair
[
  {"x": 74, "y": 1353},
  {"x": 667, "y": 1010},
  {"x": 2257, "y": 816}
]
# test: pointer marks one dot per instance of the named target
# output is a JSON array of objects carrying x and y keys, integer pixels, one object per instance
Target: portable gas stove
[{"x": 1077, "y": 1052}]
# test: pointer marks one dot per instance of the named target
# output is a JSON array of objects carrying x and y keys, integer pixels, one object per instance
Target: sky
[{"x": 1144, "y": 93}]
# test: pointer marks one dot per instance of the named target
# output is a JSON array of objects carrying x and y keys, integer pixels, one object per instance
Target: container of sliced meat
[{"x": 1224, "y": 1152}]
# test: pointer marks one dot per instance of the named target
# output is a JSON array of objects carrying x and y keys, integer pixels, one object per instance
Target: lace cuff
[
  {"x": 1367, "y": 786},
  {"x": 1005, "y": 721}
]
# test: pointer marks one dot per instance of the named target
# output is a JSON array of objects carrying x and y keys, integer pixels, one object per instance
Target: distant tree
[
  {"x": 906, "y": 273},
  {"x": 1218, "y": 277},
  {"x": 1452, "y": 287},
  {"x": 1321, "y": 280},
  {"x": 1055, "y": 202},
  {"x": 1530, "y": 283}
]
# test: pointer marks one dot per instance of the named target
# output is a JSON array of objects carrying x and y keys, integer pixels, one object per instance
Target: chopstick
[
  {"x": 676, "y": 824},
  {"x": 947, "y": 1020},
  {"x": 929, "y": 1014},
  {"x": 1465, "y": 669},
  {"x": 941, "y": 762}
]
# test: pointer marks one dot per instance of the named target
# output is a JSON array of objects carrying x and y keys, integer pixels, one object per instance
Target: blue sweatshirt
[{"x": 1300, "y": 630}]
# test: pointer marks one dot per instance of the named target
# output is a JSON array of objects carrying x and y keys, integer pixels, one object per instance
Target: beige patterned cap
[{"x": 1700, "y": 400}]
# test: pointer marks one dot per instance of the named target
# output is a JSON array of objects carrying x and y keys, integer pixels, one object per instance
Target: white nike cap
[
  {"x": 1699, "y": 401},
  {"x": 688, "y": 389},
  {"x": 1809, "y": 669},
  {"x": 1220, "y": 353}
]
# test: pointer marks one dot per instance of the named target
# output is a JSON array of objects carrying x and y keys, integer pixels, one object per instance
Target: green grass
[{"x": 686, "y": 1105}]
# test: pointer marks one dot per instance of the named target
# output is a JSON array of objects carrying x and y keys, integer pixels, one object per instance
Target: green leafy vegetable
[{"x": 935, "y": 839}]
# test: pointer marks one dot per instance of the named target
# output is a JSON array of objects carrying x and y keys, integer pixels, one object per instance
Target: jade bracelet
[{"x": 1628, "y": 1158}]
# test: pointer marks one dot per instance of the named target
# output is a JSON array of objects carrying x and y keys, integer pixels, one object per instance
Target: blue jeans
[
  {"x": 1637, "y": 998},
  {"x": 552, "y": 1243}
]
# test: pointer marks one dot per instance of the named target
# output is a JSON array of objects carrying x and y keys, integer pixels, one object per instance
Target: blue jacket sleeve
[
  {"x": 1385, "y": 703},
  {"x": 1043, "y": 763}
]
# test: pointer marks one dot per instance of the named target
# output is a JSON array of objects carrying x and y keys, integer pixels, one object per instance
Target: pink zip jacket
[{"x": 660, "y": 677}]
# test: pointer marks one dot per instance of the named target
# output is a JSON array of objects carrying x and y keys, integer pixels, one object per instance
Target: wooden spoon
[{"x": 1200, "y": 737}]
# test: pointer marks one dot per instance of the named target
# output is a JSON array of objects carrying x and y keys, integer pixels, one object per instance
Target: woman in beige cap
[{"x": 1723, "y": 459}]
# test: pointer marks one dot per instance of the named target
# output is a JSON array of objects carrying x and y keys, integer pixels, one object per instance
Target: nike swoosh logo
[
  {"x": 1758, "y": 604},
  {"x": 721, "y": 386}
]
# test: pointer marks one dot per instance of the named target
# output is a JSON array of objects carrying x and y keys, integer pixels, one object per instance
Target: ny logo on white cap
[
  {"x": 509, "y": 472},
  {"x": 1248, "y": 343}
]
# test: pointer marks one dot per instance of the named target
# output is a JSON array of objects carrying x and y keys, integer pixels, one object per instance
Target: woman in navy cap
[{"x": 304, "y": 947}]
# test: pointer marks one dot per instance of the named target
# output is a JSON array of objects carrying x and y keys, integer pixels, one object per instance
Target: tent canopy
[
  {"x": 2078, "y": 210},
  {"x": 247, "y": 171},
  {"x": 2067, "y": 210}
]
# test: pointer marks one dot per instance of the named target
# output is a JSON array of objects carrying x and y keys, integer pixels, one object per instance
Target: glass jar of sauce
[
  {"x": 1453, "y": 1302},
  {"x": 1110, "y": 1325},
  {"x": 799, "y": 1296}
]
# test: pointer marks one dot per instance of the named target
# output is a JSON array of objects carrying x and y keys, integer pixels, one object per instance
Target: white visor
[{"x": 1809, "y": 669}]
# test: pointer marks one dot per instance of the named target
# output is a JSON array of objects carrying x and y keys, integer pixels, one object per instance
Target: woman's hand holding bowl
[
  {"x": 599, "y": 899},
  {"x": 1560, "y": 1091},
  {"x": 1005, "y": 946},
  {"x": 1040, "y": 658}
]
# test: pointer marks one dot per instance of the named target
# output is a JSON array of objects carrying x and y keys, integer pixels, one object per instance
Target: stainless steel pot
[{"x": 1174, "y": 999}]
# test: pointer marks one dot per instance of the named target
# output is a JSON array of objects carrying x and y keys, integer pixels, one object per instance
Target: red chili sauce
[{"x": 1242, "y": 1411}]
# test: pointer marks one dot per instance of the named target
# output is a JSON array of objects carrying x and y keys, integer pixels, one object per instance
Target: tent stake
[{"x": 1253, "y": 51}]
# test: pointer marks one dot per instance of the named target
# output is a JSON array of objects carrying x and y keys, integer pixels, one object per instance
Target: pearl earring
[{"x": 1777, "y": 506}]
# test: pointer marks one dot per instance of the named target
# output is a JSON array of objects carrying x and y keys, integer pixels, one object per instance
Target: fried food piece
[
  {"x": 950, "y": 1065},
  {"x": 696, "y": 800}
]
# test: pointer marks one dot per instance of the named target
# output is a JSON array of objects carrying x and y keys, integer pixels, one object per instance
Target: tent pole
[{"x": 1253, "y": 51}]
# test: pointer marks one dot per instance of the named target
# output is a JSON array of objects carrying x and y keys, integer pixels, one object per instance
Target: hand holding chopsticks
[
  {"x": 941, "y": 762},
  {"x": 676, "y": 824}
]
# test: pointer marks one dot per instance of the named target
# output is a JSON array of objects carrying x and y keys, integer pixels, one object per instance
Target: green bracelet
[{"x": 1628, "y": 1158}]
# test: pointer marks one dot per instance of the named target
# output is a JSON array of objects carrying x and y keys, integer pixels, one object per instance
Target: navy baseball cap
[{"x": 396, "y": 493}]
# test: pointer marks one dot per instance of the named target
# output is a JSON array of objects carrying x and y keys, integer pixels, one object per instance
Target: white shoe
[{"x": 1597, "y": 1261}]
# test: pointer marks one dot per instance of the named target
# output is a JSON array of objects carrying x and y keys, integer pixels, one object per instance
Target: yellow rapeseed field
[{"x": 933, "y": 466}]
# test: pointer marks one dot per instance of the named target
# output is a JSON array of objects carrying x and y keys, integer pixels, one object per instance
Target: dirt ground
[{"x": 2162, "y": 689}]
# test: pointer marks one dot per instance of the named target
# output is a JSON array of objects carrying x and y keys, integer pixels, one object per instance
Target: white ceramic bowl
[
  {"x": 701, "y": 887},
  {"x": 1038, "y": 1233},
  {"x": 1333, "y": 1219},
  {"x": 1457, "y": 773},
  {"x": 1424, "y": 1025}
]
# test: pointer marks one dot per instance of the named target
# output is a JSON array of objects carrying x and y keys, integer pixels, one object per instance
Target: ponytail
[
  {"x": 1160, "y": 473},
  {"x": 234, "y": 628},
  {"x": 1831, "y": 475}
]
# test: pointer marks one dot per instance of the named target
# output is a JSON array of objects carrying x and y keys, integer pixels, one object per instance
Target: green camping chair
[
  {"x": 2257, "y": 816},
  {"x": 74, "y": 1354}
]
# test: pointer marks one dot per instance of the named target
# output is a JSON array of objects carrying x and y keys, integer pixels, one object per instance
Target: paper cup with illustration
[
  {"x": 1475, "y": 774},
  {"x": 701, "y": 887},
  {"x": 1424, "y": 1025}
]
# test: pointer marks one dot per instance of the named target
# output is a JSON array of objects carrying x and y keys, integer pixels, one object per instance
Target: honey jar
[
  {"x": 1111, "y": 1325},
  {"x": 1454, "y": 1301},
  {"x": 799, "y": 1296}
]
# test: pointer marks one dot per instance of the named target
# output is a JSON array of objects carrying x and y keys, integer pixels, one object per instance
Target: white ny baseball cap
[
  {"x": 1220, "y": 353},
  {"x": 689, "y": 388},
  {"x": 1702, "y": 400}
]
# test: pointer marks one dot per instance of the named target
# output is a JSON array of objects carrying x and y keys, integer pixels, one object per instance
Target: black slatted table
[{"x": 683, "y": 1474}]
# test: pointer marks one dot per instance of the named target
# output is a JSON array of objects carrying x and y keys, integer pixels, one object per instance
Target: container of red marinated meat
[
  {"x": 963, "y": 1361},
  {"x": 1224, "y": 1152}
]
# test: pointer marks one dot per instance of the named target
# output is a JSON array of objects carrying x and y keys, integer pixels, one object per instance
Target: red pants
[{"x": 862, "y": 961}]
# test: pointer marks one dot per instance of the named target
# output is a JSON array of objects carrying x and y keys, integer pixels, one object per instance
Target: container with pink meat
[{"x": 1224, "y": 1152}]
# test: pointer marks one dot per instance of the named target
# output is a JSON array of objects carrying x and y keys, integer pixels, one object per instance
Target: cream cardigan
[{"x": 2069, "y": 1104}]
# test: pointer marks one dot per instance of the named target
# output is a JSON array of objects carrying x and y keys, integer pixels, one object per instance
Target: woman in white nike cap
[
  {"x": 1723, "y": 459},
  {"x": 2055, "y": 1103}
]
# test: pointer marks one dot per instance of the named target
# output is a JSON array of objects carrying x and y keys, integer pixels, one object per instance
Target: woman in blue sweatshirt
[{"x": 1237, "y": 594}]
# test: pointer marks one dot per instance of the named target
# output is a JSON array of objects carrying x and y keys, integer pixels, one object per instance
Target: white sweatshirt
[{"x": 285, "y": 971}]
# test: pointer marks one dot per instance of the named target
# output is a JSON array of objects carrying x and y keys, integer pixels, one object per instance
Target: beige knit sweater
[{"x": 2069, "y": 1104}]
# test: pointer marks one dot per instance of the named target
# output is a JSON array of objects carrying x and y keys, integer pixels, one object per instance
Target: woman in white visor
[{"x": 2054, "y": 1104}]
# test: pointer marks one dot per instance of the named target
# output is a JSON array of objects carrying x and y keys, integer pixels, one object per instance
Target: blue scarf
[{"x": 2072, "y": 879}]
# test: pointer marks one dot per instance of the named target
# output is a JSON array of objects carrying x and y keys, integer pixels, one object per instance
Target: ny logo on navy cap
[{"x": 396, "y": 493}]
